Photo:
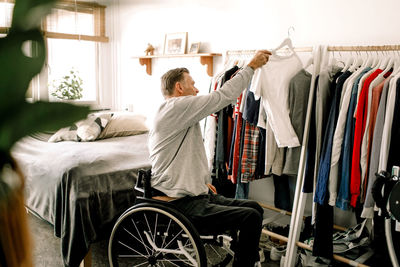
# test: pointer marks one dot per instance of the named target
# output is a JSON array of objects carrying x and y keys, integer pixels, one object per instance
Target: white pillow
[
  {"x": 84, "y": 130},
  {"x": 124, "y": 124},
  {"x": 90, "y": 129},
  {"x": 65, "y": 134}
]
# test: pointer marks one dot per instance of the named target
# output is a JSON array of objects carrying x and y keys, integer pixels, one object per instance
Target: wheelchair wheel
[{"x": 152, "y": 234}]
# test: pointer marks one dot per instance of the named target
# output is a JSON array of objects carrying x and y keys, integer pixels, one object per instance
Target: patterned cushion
[
  {"x": 65, "y": 134},
  {"x": 84, "y": 130},
  {"x": 90, "y": 129}
]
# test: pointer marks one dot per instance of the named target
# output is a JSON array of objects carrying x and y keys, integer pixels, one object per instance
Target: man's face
[{"x": 188, "y": 85}]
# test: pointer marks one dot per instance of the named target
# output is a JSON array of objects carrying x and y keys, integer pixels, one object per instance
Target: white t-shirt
[{"x": 271, "y": 83}]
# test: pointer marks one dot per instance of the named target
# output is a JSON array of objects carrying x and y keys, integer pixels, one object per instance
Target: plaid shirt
[{"x": 250, "y": 152}]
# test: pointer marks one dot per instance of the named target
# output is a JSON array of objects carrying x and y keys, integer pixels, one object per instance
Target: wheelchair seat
[{"x": 154, "y": 232}]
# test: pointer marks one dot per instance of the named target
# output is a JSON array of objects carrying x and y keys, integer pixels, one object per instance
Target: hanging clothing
[
  {"x": 365, "y": 139},
  {"x": 386, "y": 134},
  {"x": 235, "y": 145},
  {"x": 282, "y": 192},
  {"x": 324, "y": 95},
  {"x": 251, "y": 108},
  {"x": 299, "y": 90},
  {"x": 271, "y": 83},
  {"x": 361, "y": 117},
  {"x": 375, "y": 99},
  {"x": 343, "y": 197},
  {"x": 394, "y": 156},
  {"x": 224, "y": 133},
  {"x": 368, "y": 209},
  {"x": 250, "y": 152},
  {"x": 339, "y": 134},
  {"x": 323, "y": 240},
  {"x": 308, "y": 186},
  {"x": 321, "y": 194}
]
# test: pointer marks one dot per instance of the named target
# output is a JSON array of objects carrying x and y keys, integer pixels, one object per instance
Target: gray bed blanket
[{"x": 81, "y": 187}]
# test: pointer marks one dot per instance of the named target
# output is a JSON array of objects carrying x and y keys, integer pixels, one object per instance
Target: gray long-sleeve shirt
[{"x": 177, "y": 154}]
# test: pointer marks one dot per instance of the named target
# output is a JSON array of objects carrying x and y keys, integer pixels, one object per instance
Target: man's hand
[
  {"x": 212, "y": 188},
  {"x": 260, "y": 59}
]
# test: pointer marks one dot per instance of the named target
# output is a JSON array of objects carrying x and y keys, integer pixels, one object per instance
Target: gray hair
[{"x": 170, "y": 78}]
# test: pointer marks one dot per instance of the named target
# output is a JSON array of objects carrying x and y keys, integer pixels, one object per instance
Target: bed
[{"x": 80, "y": 187}]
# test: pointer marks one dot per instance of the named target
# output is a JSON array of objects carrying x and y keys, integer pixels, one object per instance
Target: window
[
  {"x": 73, "y": 31},
  {"x": 80, "y": 56}
]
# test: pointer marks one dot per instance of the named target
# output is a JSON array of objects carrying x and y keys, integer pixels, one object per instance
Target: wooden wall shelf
[{"x": 205, "y": 59}]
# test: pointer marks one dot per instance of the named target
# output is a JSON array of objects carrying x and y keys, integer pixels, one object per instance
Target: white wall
[{"x": 232, "y": 25}]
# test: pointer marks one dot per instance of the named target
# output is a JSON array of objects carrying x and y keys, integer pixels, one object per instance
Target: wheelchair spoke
[
  {"x": 155, "y": 228},
  {"x": 137, "y": 230},
  {"x": 187, "y": 262},
  {"x": 131, "y": 249},
  {"x": 144, "y": 244},
  {"x": 141, "y": 264},
  {"x": 148, "y": 226},
  {"x": 165, "y": 237},
  {"x": 159, "y": 237},
  {"x": 169, "y": 243}
]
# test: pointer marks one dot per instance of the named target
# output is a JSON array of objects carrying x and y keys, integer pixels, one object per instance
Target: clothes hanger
[
  {"x": 368, "y": 62},
  {"x": 358, "y": 61},
  {"x": 384, "y": 60},
  {"x": 396, "y": 64},
  {"x": 287, "y": 42},
  {"x": 389, "y": 64},
  {"x": 377, "y": 61},
  {"x": 348, "y": 64}
]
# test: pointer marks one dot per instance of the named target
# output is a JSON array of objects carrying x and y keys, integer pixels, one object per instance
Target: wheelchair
[{"x": 155, "y": 233}]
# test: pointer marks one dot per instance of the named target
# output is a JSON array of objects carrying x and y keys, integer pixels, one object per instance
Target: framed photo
[
  {"x": 175, "y": 43},
  {"x": 194, "y": 48}
]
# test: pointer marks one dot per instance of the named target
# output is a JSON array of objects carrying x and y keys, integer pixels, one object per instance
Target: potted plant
[
  {"x": 69, "y": 87},
  {"x": 19, "y": 118}
]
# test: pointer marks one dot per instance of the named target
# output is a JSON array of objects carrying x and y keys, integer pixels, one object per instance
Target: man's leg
[{"x": 216, "y": 214}]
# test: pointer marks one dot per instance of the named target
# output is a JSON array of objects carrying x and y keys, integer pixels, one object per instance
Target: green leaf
[
  {"x": 27, "y": 14},
  {"x": 40, "y": 116},
  {"x": 16, "y": 69}
]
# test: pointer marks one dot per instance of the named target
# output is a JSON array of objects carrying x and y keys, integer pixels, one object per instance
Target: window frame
[{"x": 39, "y": 85}]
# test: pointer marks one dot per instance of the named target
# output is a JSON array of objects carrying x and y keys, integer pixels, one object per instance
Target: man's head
[{"x": 177, "y": 82}]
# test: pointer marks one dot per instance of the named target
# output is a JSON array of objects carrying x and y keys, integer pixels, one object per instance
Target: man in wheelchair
[{"x": 180, "y": 173}]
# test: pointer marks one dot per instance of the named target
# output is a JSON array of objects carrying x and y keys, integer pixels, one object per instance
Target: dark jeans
[{"x": 212, "y": 214}]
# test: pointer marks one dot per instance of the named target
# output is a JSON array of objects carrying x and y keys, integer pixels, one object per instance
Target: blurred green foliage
[{"x": 18, "y": 118}]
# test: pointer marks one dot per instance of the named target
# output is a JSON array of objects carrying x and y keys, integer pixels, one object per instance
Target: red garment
[
  {"x": 361, "y": 118},
  {"x": 236, "y": 148},
  {"x": 229, "y": 133}
]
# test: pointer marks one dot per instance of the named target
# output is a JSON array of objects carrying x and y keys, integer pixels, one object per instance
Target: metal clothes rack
[{"x": 299, "y": 200}]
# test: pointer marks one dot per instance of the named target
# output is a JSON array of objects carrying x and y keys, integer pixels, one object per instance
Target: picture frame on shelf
[
  {"x": 175, "y": 43},
  {"x": 194, "y": 48}
]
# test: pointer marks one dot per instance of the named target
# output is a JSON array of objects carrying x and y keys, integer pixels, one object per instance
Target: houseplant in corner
[{"x": 19, "y": 118}]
